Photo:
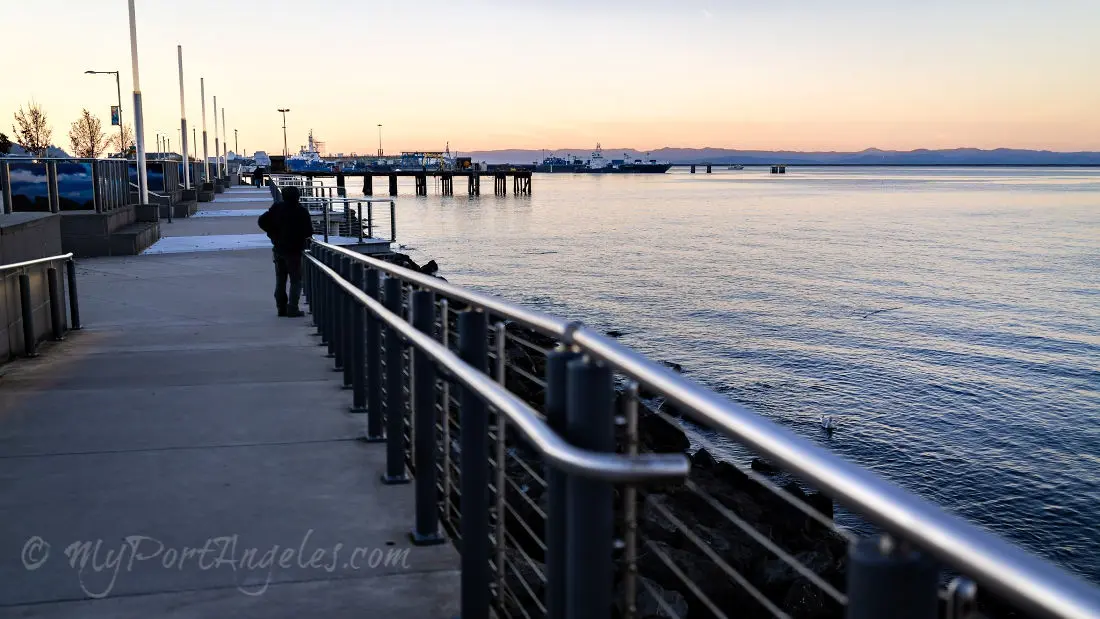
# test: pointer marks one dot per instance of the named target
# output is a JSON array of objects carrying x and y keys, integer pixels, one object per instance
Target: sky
[{"x": 480, "y": 74}]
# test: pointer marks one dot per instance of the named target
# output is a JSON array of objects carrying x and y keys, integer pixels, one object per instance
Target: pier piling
[
  {"x": 393, "y": 184},
  {"x": 693, "y": 168},
  {"x": 368, "y": 185}
]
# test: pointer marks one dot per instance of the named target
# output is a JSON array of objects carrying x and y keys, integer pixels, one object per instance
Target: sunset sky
[{"x": 776, "y": 74}]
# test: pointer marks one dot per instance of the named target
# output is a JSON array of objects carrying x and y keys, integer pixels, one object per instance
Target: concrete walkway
[{"x": 189, "y": 454}]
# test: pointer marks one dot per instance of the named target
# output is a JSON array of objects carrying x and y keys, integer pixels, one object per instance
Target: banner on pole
[{"x": 115, "y": 120}]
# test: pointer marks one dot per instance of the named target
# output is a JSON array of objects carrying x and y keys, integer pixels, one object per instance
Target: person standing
[{"x": 288, "y": 225}]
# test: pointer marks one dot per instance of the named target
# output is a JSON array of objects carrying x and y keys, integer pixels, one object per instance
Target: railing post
[
  {"x": 393, "y": 222},
  {"x": 30, "y": 344},
  {"x": 330, "y": 307},
  {"x": 589, "y": 505},
  {"x": 473, "y": 347},
  {"x": 395, "y": 394},
  {"x": 74, "y": 301},
  {"x": 57, "y": 318},
  {"x": 306, "y": 282},
  {"x": 346, "y": 335},
  {"x": 5, "y": 188},
  {"x": 370, "y": 219},
  {"x": 556, "y": 389},
  {"x": 886, "y": 579},
  {"x": 426, "y": 532},
  {"x": 374, "y": 366},
  {"x": 358, "y": 346}
]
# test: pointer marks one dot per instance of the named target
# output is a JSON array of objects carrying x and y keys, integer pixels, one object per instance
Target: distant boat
[{"x": 736, "y": 166}]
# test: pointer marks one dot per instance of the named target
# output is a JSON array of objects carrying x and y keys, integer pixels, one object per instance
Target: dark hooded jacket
[{"x": 288, "y": 225}]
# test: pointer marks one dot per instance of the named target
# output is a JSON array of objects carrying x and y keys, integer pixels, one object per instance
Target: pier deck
[{"x": 188, "y": 414}]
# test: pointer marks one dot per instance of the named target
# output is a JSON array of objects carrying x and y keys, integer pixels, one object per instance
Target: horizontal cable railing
[
  {"x": 54, "y": 293},
  {"x": 571, "y": 449}
]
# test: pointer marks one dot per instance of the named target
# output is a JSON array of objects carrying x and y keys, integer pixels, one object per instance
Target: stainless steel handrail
[
  {"x": 28, "y": 263},
  {"x": 1015, "y": 574},
  {"x": 532, "y": 319},
  {"x": 605, "y": 466},
  {"x": 1019, "y": 576}
]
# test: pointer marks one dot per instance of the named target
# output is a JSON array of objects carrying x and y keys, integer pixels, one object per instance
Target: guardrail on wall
[
  {"x": 26, "y": 270},
  {"x": 526, "y": 453}
]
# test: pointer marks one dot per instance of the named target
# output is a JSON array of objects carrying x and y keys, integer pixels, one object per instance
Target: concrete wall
[{"x": 26, "y": 236}]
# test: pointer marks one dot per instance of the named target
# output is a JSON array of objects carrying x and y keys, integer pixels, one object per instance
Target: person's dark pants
[{"x": 287, "y": 266}]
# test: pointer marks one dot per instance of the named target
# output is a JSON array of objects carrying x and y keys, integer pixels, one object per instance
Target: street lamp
[
  {"x": 139, "y": 121},
  {"x": 118, "y": 87},
  {"x": 379, "y": 140},
  {"x": 236, "y": 149},
  {"x": 286, "y": 151}
]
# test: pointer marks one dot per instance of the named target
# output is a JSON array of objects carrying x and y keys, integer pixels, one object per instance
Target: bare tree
[
  {"x": 5, "y": 144},
  {"x": 32, "y": 131},
  {"x": 127, "y": 140},
  {"x": 86, "y": 136}
]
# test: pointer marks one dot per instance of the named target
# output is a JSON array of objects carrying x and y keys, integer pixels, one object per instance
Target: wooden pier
[{"x": 521, "y": 180}]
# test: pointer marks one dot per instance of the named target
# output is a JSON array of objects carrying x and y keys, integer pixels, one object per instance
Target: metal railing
[
  {"x": 43, "y": 184},
  {"x": 572, "y": 516},
  {"x": 53, "y": 286},
  {"x": 325, "y": 201}
]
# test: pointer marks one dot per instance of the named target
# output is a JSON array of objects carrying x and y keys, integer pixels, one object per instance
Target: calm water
[{"x": 948, "y": 318}]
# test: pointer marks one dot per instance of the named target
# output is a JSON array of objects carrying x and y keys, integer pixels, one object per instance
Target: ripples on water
[{"x": 949, "y": 319}]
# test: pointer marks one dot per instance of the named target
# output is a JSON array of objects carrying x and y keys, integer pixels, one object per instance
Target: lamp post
[
  {"x": 225, "y": 146},
  {"x": 236, "y": 148},
  {"x": 217, "y": 146},
  {"x": 205, "y": 153},
  {"x": 118, "y": 88},
  {"x": 139, "y": 122},
  {"x": 183, "y": 126},
  {"x": 380, "y": 140},
  {"x": 286, "y": 151}
]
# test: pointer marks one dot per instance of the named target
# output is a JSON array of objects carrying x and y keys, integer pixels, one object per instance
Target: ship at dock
[{"x": 598, "y": 164}]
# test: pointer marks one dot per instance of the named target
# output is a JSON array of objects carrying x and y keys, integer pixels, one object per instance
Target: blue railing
[{"x": 563, "y": 512}]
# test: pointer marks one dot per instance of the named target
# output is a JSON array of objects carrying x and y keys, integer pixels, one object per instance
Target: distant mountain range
[{"x": 870, "y": 156}]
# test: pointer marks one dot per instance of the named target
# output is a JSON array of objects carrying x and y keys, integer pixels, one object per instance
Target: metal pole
[
  {"x": 121, "y": 134},
  {"x": 74, "y": 302},
  {"x": 27, "y": 314},
  {"x": 374, "y": 366},
  {"x": 217, "y": 147},
  {"x": 556, "y": 385},
  {"x": 139, "y": 123},
  {"x": 358, "y": 346},
  {"x": 57, "y": 320},
  {"x": 379, "y": 140},
  {"x": 183, "y": 125},
  {"x": 885, "y": 579},
  {"x": 473, "y": 329},
  {"x": 225, "y": 147},
  {"x": 395, "y": 393},
  {"x": 589, "y": 544},
  {"x": 426, "y": 531},
  {"x": 205, "y": 153},
  {"x": 343, "y": 354}
]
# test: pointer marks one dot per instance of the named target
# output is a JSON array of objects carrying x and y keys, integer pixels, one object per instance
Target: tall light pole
[
  {"x": 225, "y": 146},
  {"x": 139, "y": 122},
  {"x": 183, "y": 126},
  {"x": 236, "y": 148},
  {"x": 118, "y": 89},
  {"x": 205, "y": 154},
  {"x": 217, "y": 147},
  {"x": 286, "y": 151},
  {"x": 379, "y": 139}
]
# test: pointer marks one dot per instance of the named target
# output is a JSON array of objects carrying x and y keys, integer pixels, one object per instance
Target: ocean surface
[{"x": 949, "y": 319}]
